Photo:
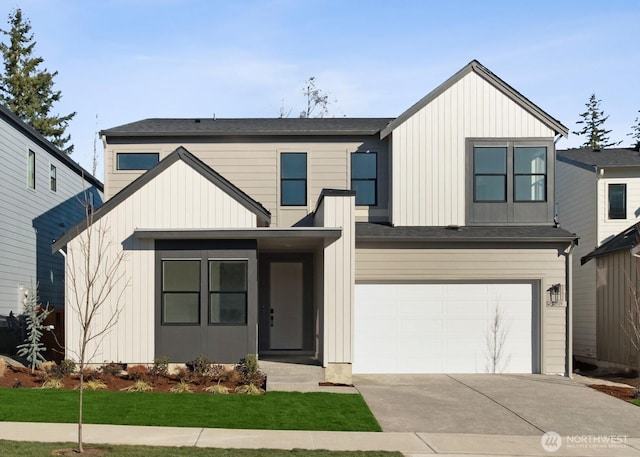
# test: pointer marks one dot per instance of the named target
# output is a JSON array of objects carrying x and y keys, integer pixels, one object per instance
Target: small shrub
[
  {"x": 91, "y": 374},
  {"x": 182, "y": 374},
  {"x": 216, "y": 371},
  {"x": 53, "y": 383},
  {"x": 249, "y": 370},
  {"x": 160, "y": 367},
  {"x": 230, "y": 376},
  {"x": 200, "y": 366},
  {"x": 249, "y": 389},
  {"x": 217, "y": 389},
  {"x": 3, "y": 368},
  {"x": 93, "y": 385},
  {"x": 182, "y": 388},
  {"x": 49, "y": 367},
  {"x": 113, "y": 368},
  {"x": 67, "y": 367},
  {"x": 139, "y": 386},
  {"x": 137, "y": 372}
]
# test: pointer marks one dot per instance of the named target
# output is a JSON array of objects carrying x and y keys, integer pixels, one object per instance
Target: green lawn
[
  {"x": 273, "y": 411},
  {"x": 22, "y": 449}
]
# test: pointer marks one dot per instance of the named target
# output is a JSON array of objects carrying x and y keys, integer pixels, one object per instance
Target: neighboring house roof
[
  {"x": 367, "y": 231},
  {"x": 37, "y": 138},
  {"x": 179, "y": 154},
  {"x": 605, "y": 158},
  {"x": 626, "y": 239},
  {"x": 486, "y": 74},
  {"x": 249, "y": 127}
]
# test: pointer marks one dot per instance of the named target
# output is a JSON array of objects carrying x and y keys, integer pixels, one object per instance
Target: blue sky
[{"x": 126, "y": 60}]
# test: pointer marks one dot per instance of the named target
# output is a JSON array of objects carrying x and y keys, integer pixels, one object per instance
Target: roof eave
[{"x": 565, "y": 239}]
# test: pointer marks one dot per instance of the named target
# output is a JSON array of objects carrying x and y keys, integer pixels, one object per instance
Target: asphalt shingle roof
[
  {"x": 381, "y": 232},
  {"x": 624, "y": 240},
  {"x": 613, "y": 157},
  {"x": 250, "y": 126}
]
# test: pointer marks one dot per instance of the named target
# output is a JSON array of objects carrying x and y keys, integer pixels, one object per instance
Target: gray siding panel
[{"x": 31, "y": 218}]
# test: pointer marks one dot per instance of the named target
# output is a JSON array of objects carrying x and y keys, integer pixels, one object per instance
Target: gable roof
[
  {"x": 203, "y": 127},
  {"x": 626, "y": 239},
  {"x": 483, "y": 72},
  {"x": 605, "y": 158},
  {"x": 45, "y": 144},
  {"x": 179, "y": 154}
]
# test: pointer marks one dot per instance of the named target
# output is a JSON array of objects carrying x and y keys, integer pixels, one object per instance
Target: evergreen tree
[
  {"x": 635, "y": 132},
  {"x": 26, "y": 89},
  {"x": 593, "y": 119},
  {"x": 32, "y": 348}
]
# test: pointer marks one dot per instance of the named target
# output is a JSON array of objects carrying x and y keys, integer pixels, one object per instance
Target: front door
[{"x": 286, "y": 305}]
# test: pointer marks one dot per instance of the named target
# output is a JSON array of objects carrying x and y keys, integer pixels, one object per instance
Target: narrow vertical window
[
  {"x": 53, "y": 179},
  {"x": 181, "y": 292},
  {"x": 31, "y": 170},
  {"x": 530, "y": 174},
  {"x": 617, "y": 201},
  {"x": 227, "y": 291},
  {"x": 490, "y": 174},
  {"x": 364, "y": 177},
  {"x": 293, "y": 179}
]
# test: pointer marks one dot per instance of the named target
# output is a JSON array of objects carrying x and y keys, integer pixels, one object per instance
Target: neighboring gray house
[
  {"x": 40, "y": 192},
  {"x": 598, "y": 197},
  {"x": 372, "y": 245}
]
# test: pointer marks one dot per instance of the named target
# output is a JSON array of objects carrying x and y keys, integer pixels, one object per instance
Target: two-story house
[
  {"x": 598, "y": 196},
  {"x": 405, "y": 245},
  {"x": 40, "y": 193}
]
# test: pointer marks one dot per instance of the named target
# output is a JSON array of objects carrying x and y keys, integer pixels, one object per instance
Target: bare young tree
[
  {"x": 317, "y": 100},
  {"x": 94, "y": 276},
  {"x": 496, "y": 339}
]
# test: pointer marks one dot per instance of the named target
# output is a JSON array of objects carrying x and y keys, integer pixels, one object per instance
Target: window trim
[
  {"x": 31, "y": 170},
  {"x": 305, "y": 180},
  {"x": 375, "y": 180},
  {"x": 53, "y": 178},
  {"x": 245, "y": 292},
  {"x": 117, "y": 160},
  {"x": 624, "y": 203}
]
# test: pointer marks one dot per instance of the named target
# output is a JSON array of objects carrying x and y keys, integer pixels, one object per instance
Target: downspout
[{"x": 569, "y": 312}]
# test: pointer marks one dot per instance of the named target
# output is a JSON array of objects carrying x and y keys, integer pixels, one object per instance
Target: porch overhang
[{"x": 267, "y": 237}]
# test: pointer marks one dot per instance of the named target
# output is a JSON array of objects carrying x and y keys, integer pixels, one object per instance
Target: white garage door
[{"x": 444, "y": 328}]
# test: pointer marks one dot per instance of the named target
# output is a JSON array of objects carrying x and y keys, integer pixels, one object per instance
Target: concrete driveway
[{"x": 495, "y": 405}]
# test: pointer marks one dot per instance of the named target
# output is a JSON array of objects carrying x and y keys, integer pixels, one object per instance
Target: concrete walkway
[{"x": 411, "y": 444}]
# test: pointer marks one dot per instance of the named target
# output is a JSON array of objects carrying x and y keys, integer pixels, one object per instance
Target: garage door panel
[{"x": 441, "y": 328}]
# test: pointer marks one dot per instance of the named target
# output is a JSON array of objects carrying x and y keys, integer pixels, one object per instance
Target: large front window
[
  {"x": 181, "y": 292},
  {"x": 227, "y": 291},
  {"x": 617, "y": 201},
  {"x": 364, "y": 177},
  {"x": 293, "y": 179}
]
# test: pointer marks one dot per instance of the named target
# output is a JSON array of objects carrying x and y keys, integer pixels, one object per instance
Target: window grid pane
[
  {"x": 181, "y": 308},
  {"x": 617, "y": 201},
  {"x": 365, "y": 191},
  {"x": 136, "y": 160},
  {"x": 530, "y": 188},
  {"x": 227, "y": 307}
]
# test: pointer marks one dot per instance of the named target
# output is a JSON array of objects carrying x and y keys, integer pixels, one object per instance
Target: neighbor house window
[
  {"x": 31, "y": 170},
  {"x": 53, "y": 179},
  {"x": 181, "y": 292},
  {"x": 293, "y": 179},
  {"x": 617, "y": 201},
  {"x": 530, "y": 174},
  {"x": 490, "y": 174},
  {"x": 136, "y": 160},
  {"x": 227, "y": 291},
  {"x": 364, "y": 177}
]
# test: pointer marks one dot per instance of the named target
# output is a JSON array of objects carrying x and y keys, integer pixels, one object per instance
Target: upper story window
[
  {"x": 293, "y": 179},
  {"x": 490, "y": 174},
  {"x": 364, "y": 177},
  {"x": 136, "y": 160},
  {"x": 617, "y": 201},
  {"x": 53, "y": 178},
  {"x": 31, "y": 170},
  {"x": 509, "y": 181},
  {"x": 530, "y": 174}
]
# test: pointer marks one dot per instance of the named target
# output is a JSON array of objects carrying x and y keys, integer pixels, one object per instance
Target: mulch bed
[{"x": 623, "y": 393}]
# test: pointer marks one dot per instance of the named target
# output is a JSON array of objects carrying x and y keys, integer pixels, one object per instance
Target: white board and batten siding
[
  {"x": 576, "y": 196},
  {"x": 429, "y": 149},
  {"x": 512, "y": 269},
  {"x": 178, "y": 198},
  {"x": 608, "y": 228},
  {"x": 338, "y": 278},
  {"x": 30, "y": 219}
]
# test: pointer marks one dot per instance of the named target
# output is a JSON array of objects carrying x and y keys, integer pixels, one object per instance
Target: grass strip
[
  {"x": 33, "y": 449},
  {"x": 273, "y": 411}
]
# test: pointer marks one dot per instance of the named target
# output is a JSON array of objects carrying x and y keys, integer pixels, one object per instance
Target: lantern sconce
[{"x": 555, "y": 295}]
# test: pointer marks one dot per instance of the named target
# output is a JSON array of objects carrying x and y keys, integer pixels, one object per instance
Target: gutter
[{"x": 569, "y": 312}]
